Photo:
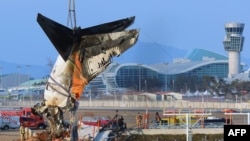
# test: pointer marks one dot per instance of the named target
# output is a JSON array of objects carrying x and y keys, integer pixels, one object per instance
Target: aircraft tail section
[
  {"x": 63, "y": 37},
  {"x": 60, "y": 35}
]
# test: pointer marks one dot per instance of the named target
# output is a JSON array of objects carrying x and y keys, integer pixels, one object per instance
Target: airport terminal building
[
  {"x": 136, "y": 77},
  {"x": 198, "y": 62}
]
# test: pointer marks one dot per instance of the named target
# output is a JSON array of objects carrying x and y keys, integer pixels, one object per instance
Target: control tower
[{"x": 233, "y": 44}]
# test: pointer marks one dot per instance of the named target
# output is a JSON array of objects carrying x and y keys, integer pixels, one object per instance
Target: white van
[{"x": 9, "y": 122}]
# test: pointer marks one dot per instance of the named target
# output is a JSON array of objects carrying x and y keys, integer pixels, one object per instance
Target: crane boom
[{"x": 72, "y": 15}]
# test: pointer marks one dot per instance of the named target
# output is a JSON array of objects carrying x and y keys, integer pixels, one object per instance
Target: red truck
[
  {"x": 27, "y": 119},
  {"x": 33, "y": 122}
]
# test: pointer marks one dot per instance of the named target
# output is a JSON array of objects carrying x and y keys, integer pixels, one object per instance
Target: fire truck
[{"x": 27, "y": 119}]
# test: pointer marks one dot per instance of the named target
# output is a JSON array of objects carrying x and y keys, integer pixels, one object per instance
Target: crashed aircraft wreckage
[{"x": 83, "y": 54}]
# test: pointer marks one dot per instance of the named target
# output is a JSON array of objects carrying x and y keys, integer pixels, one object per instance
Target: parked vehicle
[
  {"x": 27, "y": 119},
  {"x": 215, "y": 121},
  {"x": 33, "y": 122},
  {"x": 96, "y": 121},
  {"x": 9, "y": 122},
  {"x": 17, "y": 111}
]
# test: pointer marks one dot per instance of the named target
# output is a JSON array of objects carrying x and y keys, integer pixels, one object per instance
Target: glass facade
[
  {"x": 134, "y": 76},
  {"x": 96, "y": 83},
  {"x": 219, "y": 70},
  {"x": 159, "y": 77}
]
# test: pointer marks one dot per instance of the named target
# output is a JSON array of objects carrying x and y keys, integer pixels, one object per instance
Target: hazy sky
[{"x": 183, "y": 24}]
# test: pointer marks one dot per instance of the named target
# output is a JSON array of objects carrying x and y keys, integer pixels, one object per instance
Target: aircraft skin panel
[
  {"x": 57, "y": 89},
  {"x": 98, "y": 56}
]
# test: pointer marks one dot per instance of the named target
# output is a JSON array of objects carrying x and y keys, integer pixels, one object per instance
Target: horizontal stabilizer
[
  {"x": 114, "y": 26},
  {"x": 63, "y": 37}
]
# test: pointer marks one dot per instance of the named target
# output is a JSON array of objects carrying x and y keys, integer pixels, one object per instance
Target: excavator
[{"x": 83, "y": 54}]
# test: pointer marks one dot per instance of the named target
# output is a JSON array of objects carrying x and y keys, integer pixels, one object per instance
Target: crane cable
[{"x": 72, "y": 22}]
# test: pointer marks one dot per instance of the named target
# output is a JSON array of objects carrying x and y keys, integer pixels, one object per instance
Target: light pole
[
  {"x": 236, "y": 97},
  {"x": 18, "y": 83},
  {"x": 146, "y": 116},
  {"x": 186, "y": 86},
  {"x": 1, "y": 83},
  {"x": 18, "y": 67},
  {"x": 166, "y": 81},
  {"x": 90, "y": 95},
  {"x": 28, "y": 67},
  {"x": 139, "y": 65},
  {"x": 29, "y": 85},
  {"x": 173, "y": 85}
]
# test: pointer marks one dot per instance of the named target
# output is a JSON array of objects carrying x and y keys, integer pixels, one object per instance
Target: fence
[{"x": 144, "y": 104}]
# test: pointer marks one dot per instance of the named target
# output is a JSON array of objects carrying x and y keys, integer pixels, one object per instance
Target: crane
[{"x": 72, "y": 14}]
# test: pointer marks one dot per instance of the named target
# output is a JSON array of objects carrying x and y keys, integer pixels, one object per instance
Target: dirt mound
[{"x": 43, "y": 136}]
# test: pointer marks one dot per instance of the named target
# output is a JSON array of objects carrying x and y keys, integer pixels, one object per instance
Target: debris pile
[{"x": 44, "y": 135}]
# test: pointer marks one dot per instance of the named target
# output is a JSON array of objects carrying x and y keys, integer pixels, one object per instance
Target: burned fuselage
[{"x": 83, "y": 54}]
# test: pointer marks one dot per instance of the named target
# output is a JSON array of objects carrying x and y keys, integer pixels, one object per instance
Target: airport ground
[{"x": 128, "y": 114}]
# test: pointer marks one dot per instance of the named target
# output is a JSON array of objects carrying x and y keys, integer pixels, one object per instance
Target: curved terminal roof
[
  {"x": 169, "y": 69},
  {"x": 197, "y": 58},
  {"x": 183, "y": 67},
  {"x": 33, "y": 82},
  {"x": 137, "y": 65},
  {"x": 203, "y": 55}
]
